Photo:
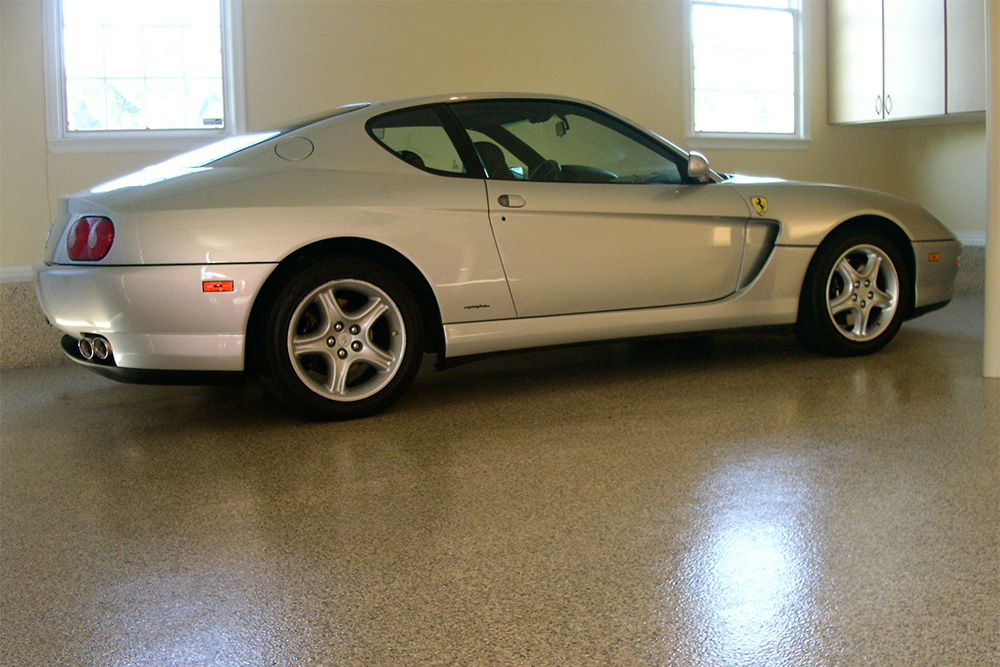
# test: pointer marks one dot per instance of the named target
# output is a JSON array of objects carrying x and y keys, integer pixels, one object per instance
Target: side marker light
[
  {"x": 217, "y": 286},
  {"x": 934, "y": 257}
]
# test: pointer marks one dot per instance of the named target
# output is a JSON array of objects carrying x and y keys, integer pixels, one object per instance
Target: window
[
  {"x": 746, "y": 74},
  {"x": 498, "y": 162},
  {"x": 418, "y": 136},
  {"x": 565, "y": 142},
  {"x": 122, "y": 74}
]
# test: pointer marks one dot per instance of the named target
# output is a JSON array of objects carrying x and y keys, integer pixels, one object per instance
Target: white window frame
[
  {"x": 799, "y": 140},
  {"x": 60, "y": 140}
]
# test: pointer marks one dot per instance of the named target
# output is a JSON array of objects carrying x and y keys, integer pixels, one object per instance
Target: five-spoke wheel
[
  {"x": 863, "y": 292},
  {"x": 855, "y": 294},
  {"x": 346, "y": 340},
  {"x": 343, "y": 339}
]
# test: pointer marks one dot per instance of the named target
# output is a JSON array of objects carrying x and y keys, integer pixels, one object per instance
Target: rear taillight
[{"x": 90, "y": 239}]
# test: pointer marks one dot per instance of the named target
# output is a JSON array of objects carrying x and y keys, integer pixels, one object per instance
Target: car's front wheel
[
  {"x": 343, "y": 339},
  {"x": 855, "y": 294}
]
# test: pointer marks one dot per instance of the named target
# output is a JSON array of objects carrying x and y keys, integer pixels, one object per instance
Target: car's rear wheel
[
  {"x": 343, "y": 339},
  {"x": 855, "y": 294}
]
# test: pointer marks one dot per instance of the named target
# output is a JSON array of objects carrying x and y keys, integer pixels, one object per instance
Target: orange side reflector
[
  {"x": 934, "y": 257},
  {"x": 217, "y": 286}
]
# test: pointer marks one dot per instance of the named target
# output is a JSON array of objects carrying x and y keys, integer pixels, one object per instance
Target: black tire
[
  {"x": 342, "y": 339},
  {"x": 855, "y": 296}
]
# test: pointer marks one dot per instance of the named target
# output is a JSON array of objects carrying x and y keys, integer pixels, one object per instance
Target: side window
[
  {"x": 418, "y": 136},
  {"x": 498, "y": 162},
  {"x": 562, "y": 141}
]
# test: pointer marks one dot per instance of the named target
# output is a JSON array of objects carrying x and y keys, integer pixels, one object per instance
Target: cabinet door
[
  {"x": 914, "y": 58},
  {"x": 966, "y": 55},
  {"x": 854, "y": 29}
]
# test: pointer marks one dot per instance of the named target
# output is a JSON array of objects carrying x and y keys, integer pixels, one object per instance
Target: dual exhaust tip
[{"x": 94, "y": 347}]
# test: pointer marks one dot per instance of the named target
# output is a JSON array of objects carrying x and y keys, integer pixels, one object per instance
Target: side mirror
[{"x": 697, "y": 166}]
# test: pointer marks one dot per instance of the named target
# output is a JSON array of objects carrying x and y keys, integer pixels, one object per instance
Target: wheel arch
[
  {"x": 868, "y": 223},
  {"x": 388, "y": 257}
]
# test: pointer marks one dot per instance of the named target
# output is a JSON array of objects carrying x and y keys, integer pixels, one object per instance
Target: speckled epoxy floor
[{"x": 735, "y": 501}]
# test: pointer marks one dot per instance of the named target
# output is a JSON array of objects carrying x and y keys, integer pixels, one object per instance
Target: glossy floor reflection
[{"x": 729, "y": 501}]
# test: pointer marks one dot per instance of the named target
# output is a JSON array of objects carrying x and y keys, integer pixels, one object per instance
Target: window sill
[
  {"x": 112, "y": 143},
  {"x": 753, "y": 142}
]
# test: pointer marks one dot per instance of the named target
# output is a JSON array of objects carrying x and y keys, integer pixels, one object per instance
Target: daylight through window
[
  {"x": 138, "y": 65},
  {"x": 746, "y": 67}
]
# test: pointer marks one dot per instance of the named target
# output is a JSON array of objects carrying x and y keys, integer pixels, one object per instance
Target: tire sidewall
[{"x": 278, "y": 372}]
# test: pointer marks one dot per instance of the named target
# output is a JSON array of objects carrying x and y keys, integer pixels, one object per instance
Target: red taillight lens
[{"x": 90, "y": 239}]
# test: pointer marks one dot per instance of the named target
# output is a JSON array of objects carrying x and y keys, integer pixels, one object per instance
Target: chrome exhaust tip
[
  {"x": 102, "y": 348},
  {"x": 86, "y": 348}
]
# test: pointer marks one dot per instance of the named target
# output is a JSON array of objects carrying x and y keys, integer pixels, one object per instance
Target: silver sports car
[{"x": 329, "y": 256}]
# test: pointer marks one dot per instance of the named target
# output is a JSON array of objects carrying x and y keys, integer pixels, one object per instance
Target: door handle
[{"x": 512, "y": 201}]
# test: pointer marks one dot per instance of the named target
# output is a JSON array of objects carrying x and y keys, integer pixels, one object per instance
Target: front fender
[{"x": 808, "y": 212}]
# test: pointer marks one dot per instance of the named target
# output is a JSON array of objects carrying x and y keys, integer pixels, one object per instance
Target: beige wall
[
  {"x": 305, "y": 56},
  {"x": 944, "y": 169}
]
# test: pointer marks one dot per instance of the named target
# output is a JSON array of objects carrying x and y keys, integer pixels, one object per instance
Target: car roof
[
  {"x": 365, "y": 110},
  {"x": 465, "y": 97}
]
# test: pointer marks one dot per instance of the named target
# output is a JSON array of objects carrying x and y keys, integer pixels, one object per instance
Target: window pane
[
  {"x": 204, "y": 102},
  {"x": 82, "y": 12},
  {"x": 83, "y": 50},
  {"x": 85, "y": 105},
  {"x": 126, "y": 99},
  {"x": 166, "y": 103},
  {"x": 716, "y": 69},
  {"x": 418, "y": 137},
  {"x": 164, "y": 52},
  {"x": 121, "y": 48},
  {"x": 517, "y": 168},
  {"x": 745, "y": 73},
  {"x": 587, "y": 146},
  {"x": 138, "y": 65},
  {"x": 774, "y": 4},
  {"x": 722, "y": 111},
  {"x": 125, "y": 12},
  {"x": 737, "y": 28},
  {"x": 203, "y": 52}
]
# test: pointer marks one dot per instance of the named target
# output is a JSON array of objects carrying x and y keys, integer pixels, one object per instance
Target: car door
[
  {"x": 591, "y": 215},
  {"x": 446, "y": 234}
]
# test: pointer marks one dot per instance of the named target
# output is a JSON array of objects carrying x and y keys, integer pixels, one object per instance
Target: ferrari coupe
[{"x": 329, "y": 256}]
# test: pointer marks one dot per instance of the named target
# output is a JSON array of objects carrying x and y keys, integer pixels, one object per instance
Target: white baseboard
[
  {"x": 972, "y": 238},
  {"x": 21, "y": 273}
]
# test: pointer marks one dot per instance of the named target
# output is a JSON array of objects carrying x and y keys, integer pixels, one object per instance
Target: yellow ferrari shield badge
[{"x": 760, "y": 203}]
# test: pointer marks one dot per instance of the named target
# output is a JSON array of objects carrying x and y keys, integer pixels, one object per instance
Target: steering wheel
[{"x": 545, "y": 171}]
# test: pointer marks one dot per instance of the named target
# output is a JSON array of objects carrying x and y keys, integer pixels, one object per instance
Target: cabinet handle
[
  {"x": 888, "y": 105},
  {"x": 878, "y": 106}
]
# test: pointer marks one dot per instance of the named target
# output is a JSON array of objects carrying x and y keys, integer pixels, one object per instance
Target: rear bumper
[
  {"x": 155, "y": 317},
  {"x": 147, "y": 376}
]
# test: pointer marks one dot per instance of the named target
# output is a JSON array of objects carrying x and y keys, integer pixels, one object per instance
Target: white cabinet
[
  {"x": 914, "y": 58},
  {"x": 855, "y": 60},
  {"x": 902, "y": 59},
  {"x": 966, "y": 28}
]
